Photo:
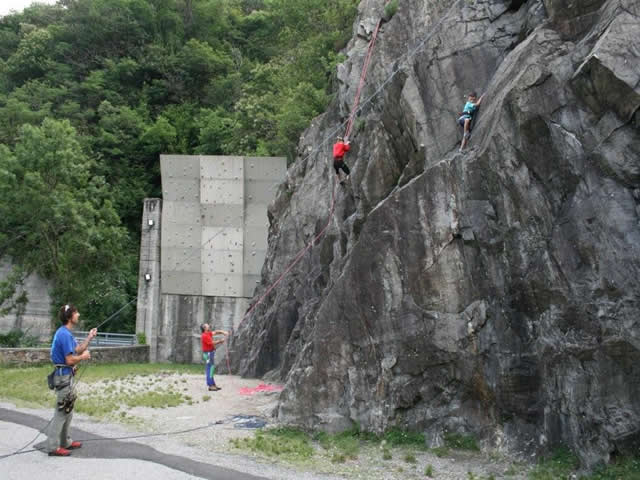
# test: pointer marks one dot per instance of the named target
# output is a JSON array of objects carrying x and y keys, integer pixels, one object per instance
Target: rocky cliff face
[{"x": 494, "y": 292}]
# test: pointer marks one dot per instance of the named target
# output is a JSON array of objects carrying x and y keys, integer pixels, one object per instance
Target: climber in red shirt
[
  {"x": 339, "y": 149},
  {"x": 208, "y": 352}
]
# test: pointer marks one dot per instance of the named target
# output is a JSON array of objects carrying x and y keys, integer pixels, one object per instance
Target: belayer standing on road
[
  {"x": 208, "y": 352},
  {"x": 466, "y": 117},
  {"x": 66, "y": 354},
  {"x": 339, "y": 149}
]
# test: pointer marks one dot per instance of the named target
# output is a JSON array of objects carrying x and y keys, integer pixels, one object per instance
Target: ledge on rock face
[
  {"x": 560, "y": 10},
  {"x": 573, "y": 18},
  {"x": 608, "y": 79}
]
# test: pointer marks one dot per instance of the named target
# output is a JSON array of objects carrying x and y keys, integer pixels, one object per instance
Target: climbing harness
[{"x": 50, "y": 377}]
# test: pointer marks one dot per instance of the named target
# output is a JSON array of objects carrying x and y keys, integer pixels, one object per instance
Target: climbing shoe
[
  {"x": 74, "y": 445},
  {"x": 60, "y": 452},
  {"x": 214, "y": 388}
]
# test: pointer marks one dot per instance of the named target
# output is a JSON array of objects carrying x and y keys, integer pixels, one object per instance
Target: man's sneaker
[
  {"x": 60, "y": 452},
  {"x": 214, "y": 388},
  {"x": 74, "y": 445}
]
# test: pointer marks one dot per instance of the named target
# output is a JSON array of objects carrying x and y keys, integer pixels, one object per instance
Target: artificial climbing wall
[
  {"x": 214, "y": 222},
  {"x": 211, "y": 228}
]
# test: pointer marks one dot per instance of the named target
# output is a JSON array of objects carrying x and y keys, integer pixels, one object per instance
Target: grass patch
[
  {"x": 288, "y": 443},
  {"x": 96, "y": 406},
  {"x": 458, "y": 441},
  {"x": 27, "y": 386},
  {"x": 627, "y": 468},
  {"x": 386, "y": 454},
  {"x": 558, "y": 466},
  {"x": 428, "y": 471},
  {"x": 440, "y": 452},
  {"x": 410, "y": 458},
  {"x": 396, "y": 437}
]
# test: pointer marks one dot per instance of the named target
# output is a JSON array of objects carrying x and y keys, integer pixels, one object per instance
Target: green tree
[{"x": 69, "y": 230}]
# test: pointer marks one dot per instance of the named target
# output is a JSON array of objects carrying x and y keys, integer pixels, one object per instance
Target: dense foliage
[{"x": 92, "y": 91}]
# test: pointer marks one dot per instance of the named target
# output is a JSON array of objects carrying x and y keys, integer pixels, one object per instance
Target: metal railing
[{"x": 107, "y": 339}]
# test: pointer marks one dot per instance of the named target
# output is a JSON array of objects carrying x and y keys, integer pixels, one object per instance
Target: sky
[{"x": 18, "y": 5}]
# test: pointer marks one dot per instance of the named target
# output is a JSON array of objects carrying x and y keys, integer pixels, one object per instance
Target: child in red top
[
  {"x": 208, "y": 352},
  {"x": 339, "y": 149}
]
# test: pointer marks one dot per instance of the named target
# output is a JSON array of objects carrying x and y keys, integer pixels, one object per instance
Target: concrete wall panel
[
  {"x": 254, "y": 237},
  {"x": 187, "y": 213},
  {"x": 221, "y": 238},
  {"x": 181, "y": 259},
  {"x": 181, "y": 190},
  {"x": 250, "y": 282},
  {"x": 181, "y": 235},
  {"x": 217, "y": 167},
  {"x": 256, "y": 215},
  {"x": 222, "y": 285},
  {"x": 265, "y": 168},
  {"x": 221, "y": 192},
  {"x": 179, "y": 166},
  {"x": 223, "y": 215},
  {"x": 186, "y": 283},
  {"x": 253, "y": 261},
  {"x": 259, "y": 191},
  {"x": 222, "y": 261}
]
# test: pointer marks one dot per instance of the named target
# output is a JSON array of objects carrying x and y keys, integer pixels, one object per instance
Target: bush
[
  {"x": 142, "y": 338},
  {"x": 17, "y": 338},
  {"x": 390, "y": 9}
]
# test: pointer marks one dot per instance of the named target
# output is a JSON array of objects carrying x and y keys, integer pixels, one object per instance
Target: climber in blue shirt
[{"x": 466, "y": 116}]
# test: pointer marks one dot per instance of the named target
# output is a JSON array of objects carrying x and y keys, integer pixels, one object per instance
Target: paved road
[{"x": 99, "y": 457}]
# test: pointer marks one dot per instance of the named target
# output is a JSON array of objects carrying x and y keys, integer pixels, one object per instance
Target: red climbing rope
[
  {"x": 354, "y": 110},
  {"x": 292, "y": 264},
  {"x": 363, "y": 77}
]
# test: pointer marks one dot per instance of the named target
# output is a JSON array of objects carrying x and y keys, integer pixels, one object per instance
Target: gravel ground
[{"x": 216, "y": 411}]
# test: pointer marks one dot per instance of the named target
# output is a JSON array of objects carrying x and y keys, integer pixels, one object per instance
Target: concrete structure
[
  {"x": 35, "y": 318},
  {"x": 149, "y": 273},
  {"x": 200, "y": 261}
]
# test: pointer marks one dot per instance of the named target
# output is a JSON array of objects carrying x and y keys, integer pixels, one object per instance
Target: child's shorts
[{"x": 462, "y": 119}]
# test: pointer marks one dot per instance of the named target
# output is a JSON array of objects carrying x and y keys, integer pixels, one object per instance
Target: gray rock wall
[{"x": 493, "y": 292}]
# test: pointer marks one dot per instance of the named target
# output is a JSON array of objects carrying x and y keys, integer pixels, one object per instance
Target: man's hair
[
  {"x": 339, "y": 139},
  {"x": 202, "y": 327},
  {"x": 66, "y": 312},
  {"x": 473, "y": 94}
]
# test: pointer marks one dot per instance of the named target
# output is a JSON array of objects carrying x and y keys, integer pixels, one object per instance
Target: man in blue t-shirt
[
  {"x": 65, "y": 355},
  {"x": 468, "y": 112}
]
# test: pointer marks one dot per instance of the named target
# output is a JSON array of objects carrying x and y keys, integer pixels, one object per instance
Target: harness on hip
[{"x": 51, "y": 376}]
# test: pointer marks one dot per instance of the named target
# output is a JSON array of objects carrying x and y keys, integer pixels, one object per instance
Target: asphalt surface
[{"x": 99, "y": 457}]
